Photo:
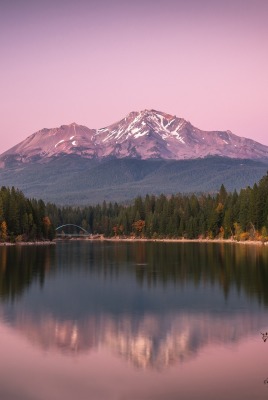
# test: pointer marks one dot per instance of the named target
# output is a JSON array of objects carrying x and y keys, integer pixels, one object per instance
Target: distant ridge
[
  {"x": 71, "y": 179},
  {"x": 145, "y": 152},
  {"x": 148, "y": 134}
]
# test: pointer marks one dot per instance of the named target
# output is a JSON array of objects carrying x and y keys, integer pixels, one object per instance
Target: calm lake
[{"x": 133, "y": 321}]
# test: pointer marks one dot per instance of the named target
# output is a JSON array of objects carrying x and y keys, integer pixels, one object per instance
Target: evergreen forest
[
  {"x": 22, "y": 219},
  {"x": 240, "y": 216}
]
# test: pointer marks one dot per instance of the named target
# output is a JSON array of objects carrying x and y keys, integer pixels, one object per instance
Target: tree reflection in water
[
  {"x": 154, "y": 304},
  {"x": 225, "y": 265}
]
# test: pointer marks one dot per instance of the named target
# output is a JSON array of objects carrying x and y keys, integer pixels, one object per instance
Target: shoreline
[
  {"x": 166, "y": 240},
  {"x": 7, "y": 244},
  {"x": 133, "y": 240}
]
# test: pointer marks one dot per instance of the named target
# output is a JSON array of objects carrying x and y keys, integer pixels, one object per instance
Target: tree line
[
  {"x": 241, "y": 216},
  {"x": 23, "y": 219}
]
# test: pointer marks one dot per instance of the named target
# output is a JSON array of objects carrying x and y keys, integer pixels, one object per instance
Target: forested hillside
[
  {"x": 242, "y": 215},
  {"x": 75, "y": 181}
]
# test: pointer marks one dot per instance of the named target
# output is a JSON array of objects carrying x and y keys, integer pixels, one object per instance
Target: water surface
[{"x": 133, "y": 321}]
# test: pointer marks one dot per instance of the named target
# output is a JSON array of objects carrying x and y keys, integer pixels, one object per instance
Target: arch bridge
[{"x": 81, "y": 231}]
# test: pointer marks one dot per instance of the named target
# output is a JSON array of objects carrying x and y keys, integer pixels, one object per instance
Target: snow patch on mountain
[
  {"x": 61, "y": 141},
  {"x": 145, "y": 134}
]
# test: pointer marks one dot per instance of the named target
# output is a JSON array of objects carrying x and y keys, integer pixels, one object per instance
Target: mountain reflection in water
[
  {"x": 150, "y": 342},
  {"x": 153, "y": 304}
]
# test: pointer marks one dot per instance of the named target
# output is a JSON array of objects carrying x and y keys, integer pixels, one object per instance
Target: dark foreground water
[{"x": 133, "y": 321}]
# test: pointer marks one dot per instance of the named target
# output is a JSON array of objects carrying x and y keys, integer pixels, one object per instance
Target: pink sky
[{"x": 94, "y": 61}]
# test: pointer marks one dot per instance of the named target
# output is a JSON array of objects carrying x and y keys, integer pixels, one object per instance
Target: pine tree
[{"x": 262, "y": 203}]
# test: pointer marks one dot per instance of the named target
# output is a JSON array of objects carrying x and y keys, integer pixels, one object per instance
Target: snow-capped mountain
[{"x": 148, "y": 134}]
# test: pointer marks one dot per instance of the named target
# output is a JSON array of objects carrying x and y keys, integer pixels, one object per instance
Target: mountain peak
[{"x": 147, "y": 134}]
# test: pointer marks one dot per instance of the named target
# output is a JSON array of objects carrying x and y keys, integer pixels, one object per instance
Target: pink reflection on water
[
  {"x": 218, "y": 371},
  {"x": 152, "y": 341}
]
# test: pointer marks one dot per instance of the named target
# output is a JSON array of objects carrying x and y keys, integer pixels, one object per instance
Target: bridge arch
[{"x": 77, "y": 226}]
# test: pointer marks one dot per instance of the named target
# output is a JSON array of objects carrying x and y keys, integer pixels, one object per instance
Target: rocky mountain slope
[
  {"x": 146, "y": 152},
  {"x": 148, "y": 134}
]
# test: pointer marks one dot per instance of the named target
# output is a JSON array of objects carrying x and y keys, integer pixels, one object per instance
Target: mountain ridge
[
  {"x": 145, "y": 152},
  {"x": 149, "y": 134}
]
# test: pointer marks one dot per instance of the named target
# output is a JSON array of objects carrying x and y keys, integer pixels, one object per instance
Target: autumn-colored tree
[
  {"x": 118, "y": 229},
  {"x": 138, "y": 227},
  {"x": 3, "y": 231},
  {"x": 237, "y": 230},
  {"x": 264, "y": 234},
  {"x": 221, "y": 232},
  {"x": 46, "y": 227},
  {"x": 115, "y": 230}
]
